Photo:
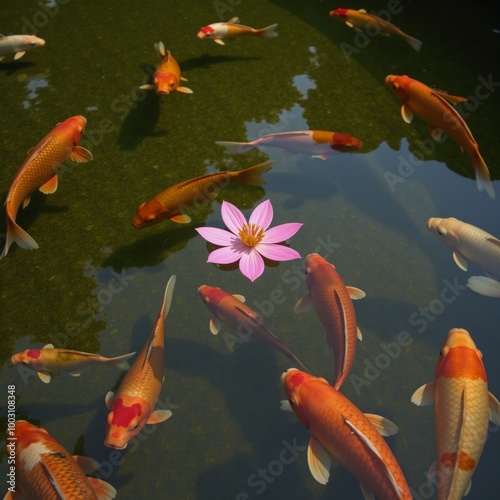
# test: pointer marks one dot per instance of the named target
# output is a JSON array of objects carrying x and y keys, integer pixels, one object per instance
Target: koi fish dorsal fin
[
  {"x": 48, "y": 346},
  {"x": 102, "y": 489},
  {"x": 454, "y": 99},
  {"x": 424, "y": 395},
  {"x": 383, "y": 425},
  {"x": 50, "y": 186},
  {"x": 87, "y": 464},
  {"x": 319, "y": 461},
  {"x": 241, "y": 298},
  {"x": 234, "y": 20}
]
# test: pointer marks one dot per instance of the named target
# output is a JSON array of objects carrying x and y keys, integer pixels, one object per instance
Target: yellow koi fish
[{"x": 232, "y": 30}]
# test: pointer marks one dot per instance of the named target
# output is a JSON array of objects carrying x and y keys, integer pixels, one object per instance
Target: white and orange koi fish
[
  {"x": 18, "y": 45},
  {"x": 463, "y": 407},
  {"x": 132, "y": 406},
  {"x": 232, "y": 30}
]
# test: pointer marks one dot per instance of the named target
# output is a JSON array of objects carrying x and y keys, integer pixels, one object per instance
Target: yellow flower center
[{"x": 251, "y": 235}]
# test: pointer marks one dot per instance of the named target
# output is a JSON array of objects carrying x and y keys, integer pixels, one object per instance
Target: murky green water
[{"x": 96, "y": 283}]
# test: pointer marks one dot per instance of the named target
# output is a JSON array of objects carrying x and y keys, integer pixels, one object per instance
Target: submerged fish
[
  {"x": 170, "y": 204},
  {"x": 39, "y": 171},
  {"x": 317, "y": 143},
  {"x": 434, "y": 108},
  {"x": 133, "y": 404},
  {"x": 232, "y": 31},
  {"x": 360, "y": 20},
  {"x": 230, "y": 309},
  {"x": 339, "y": 429},
  {"x": 167, "y": 76},
  {"x": 44, "y": 469},
  {"x": 468, "y": 242},
  {"x": 48, "y": 359},
  {"x": 18, "y": 45},
  {"x": 463, "y": 407},
  {"x": 331, "y": 299}
]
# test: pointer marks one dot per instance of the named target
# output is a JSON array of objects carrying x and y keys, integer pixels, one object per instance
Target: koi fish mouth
[
  {"x": 115, "y": 446},
  {"x": 284, "y": 374}
]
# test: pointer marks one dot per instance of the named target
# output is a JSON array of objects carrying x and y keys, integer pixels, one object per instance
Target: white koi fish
[{"x": 18, "y": 45}]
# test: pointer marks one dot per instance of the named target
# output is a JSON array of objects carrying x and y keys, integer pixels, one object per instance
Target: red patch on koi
[
  {"x": 123, "y": 415},
  {"x": 207, "y": 29},
  {"x": 465, "y": 462},
  {"x": 296, "y": 378},
  {"x": 34, "y": 353}
]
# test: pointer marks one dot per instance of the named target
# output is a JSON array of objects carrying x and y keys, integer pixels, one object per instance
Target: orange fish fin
[
  {"x": 44, "y": 377},
  {"x": 159, "y": 416},
  {"x": 80, "y": 154},
  {"x": 109, "y": 399},
  {"x": 184, "y": 90},
  {"x": 219, "y": 41},
  {"x": 319, "y": 461},
  {"x": 50, "y": 186},
  {"x": 406, "y": 113},
  {"x": 48, "y": 346},
  {"x": 102, "y": 489},
  {"x": 16, "y": 233},
  {"x": 359, "y": 335},
  {"x": 252, "y": 175},
  {"x": 304, "y": 304},
  {"x": 454, "y": 99},
  {"x": 483, "y": 180},
  {"x": 355, "y": 293},
  {"x": 383, "y": 425},
  {"x": 285, "y": 405},
  {"x": 215, "y": 325},
  {"x": 234, "y": 20},
  {"x": 26, "y": 201},
  {"x": 160, "y": 49},
  {"x": 19, "y": 55},
  {"x": 241, "y": 298},
  {"x": 181, "y": 219},
  {"x": 424, "y": 395},
  {"x": 9, "y": 495},
  {"x": 436, "y": 133},
  {"x": 87, "y": 464},
  {"x": 494, "y": 409},
  {"x": 183, "y": 79},
  {"x": 460, "y": 260}
]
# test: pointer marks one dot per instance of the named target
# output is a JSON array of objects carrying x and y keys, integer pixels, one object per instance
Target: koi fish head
[
  {"x": 165, "y": 83},
  {"x": 399, "y": 85},
  {"x": 31, "y": 42},
  {"x": 460, "y": 357},
  {"x": 29, "y": 357},
  {"x": 446, "y": 230},
  {"x": 340, "y": 14},
  {"x": 313, "y": 266},
  {"x": 207, "y": 33},
  {"x": 150, "y": 213},
  {"x": 345, "y": 143},
  {"x": 211, "y": 296},
  {"x": 72, "y": 127},
  {"x": 125, "y": 421}
]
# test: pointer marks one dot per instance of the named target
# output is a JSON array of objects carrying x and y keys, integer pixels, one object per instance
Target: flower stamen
[{"x": 251, "y": 235}]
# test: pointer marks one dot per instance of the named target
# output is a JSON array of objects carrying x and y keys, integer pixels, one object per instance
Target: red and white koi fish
[
  {"x": 360, "y": 20},
  {"x": 232, "y": 30},
  {"x": 48, "y": 359},
  {"x": 463, "y": 407},
  {"x": 167, "y": 76},
  {"x": 434, "y": 108},
  {"x": 340, "y": 430},
  {"x": 232, "y": 310},
  {"x": 39, "y": 171},
  {"x": 469, "y": 242},
  {"x": 331, "y": 299},
  {"x": 46, "y": 470},
  {"x": 317, "y": 143},
  {"x": 18, "y": 45},
  {"x": 132, "y": 406}
]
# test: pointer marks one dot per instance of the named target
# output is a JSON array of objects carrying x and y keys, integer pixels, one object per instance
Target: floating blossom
[{"x": 249, "y": 241}]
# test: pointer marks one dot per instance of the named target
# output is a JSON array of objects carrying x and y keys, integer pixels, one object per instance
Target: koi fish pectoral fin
[
  {"x": 285, "y": 405},
  {"x": 50, "y": 186},
  {"x": 109, "y": 399},
  {"x": 80, "y": 155},
  {"x": 75, "y": 373},
  {"x": 355, "y": 293},
  {"x": 219, "y": 41},
  {"x": 424, "y": 395},
  {"x": 460, "y": 261},
  {"x": 494, "y": 409},
  {"x": 184, "y": 90},
  {"x": 87, "y": 464},
  {"x": 44, "y": 377},
  {"x": 383, "y": 425},
  {"x": 304, "y": 304},
  {"x": 181, "y": 219},
  {"x": 366, "y": 492},
  {"x": 148, "y": 86},
  {"x": 26, "y": 201},
  {"x": 215, "y": 325},
  {"x": 319, "y": 461},
  {"x": 406, "y": 113},
  {"x": 359, "y": 335},
  {"x": 159, "y": 416}
]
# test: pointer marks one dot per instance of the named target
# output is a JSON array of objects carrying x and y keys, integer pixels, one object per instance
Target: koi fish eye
[
  {"x": 292, "y": 404},
  {"x": 395, "y": 86},
  {"x": 136, "y": 426}
]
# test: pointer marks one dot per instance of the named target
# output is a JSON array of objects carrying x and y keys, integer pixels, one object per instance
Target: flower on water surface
[{"x": 249, "y": 241}]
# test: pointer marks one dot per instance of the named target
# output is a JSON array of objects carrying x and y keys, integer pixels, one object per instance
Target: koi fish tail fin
[
  {"x": 160, "y": 49},
  {"x": 235, "y": 148},
  {"x": 17, "y": 234},
  {"x": 269, "y": 32},
  {"x": 482, "y": 174},
  {"x": 484, "y": 286},
  {"x": 253, "y": 175},
  {"x": 416, "y": 44},
  {"x": 120, "y": 362}
]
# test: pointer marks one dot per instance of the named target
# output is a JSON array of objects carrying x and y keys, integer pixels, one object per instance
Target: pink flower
[{"x": 249, "y": 241}]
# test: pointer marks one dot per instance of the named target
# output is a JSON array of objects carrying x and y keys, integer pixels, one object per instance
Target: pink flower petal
[
  {"x": 232, "y": 217},
  {"x": 251, "y": 264},
  {"x": 281, "y": 233},
  {"x": 262, "y": 215},
  {"x": 225, "y": 255},
  {"x": 277, "y": 253},
  {"x": 216, "y": 236}
]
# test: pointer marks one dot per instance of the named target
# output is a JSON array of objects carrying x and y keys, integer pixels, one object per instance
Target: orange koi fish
[
  {"x": 46, "y": 470},
  {"x": 318, "y": 143},
  {"x": 48, "y": 359},
  {"x": 339, "y": 429},
  {"x": 232, "y": 310},
  {"x": 232, "y": 30},
  {"x": 132, "y": 406},
  {"x": 360, "y": 20},
  {"x": 463, "y": 407},
  {"x": 170, "y": 203},
  {"x": 39, "y": 171},
  {"x": 441, "y": 117},
  {"x": 167, "y": 76},
  {"x": 331, "y": 299}
]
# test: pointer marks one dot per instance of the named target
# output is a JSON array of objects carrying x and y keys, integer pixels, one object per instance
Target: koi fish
[
  {"x": 232, "y": 31},
  {"x": 132, "y": 406},
  {"x": 169, "y": 204},
  {"x": 318, "y": 143},
  {"x": 339, "y": 429},
  {"x": 463, "y": 407},
  {"x": 167, "y": 76},
  {"x": 232, "y": 310},
  {"x": 441, "y": 117},
  {"x": 39, "y": 171},
  {"x": 45, "y": 469},
  {"x": 48, "y": 359},
  {"x": 471, "y": 243},
  {"x": 18, "y": 45},
  {"x": 331, "y": 299},
  {"x": 360, "y": 20}
]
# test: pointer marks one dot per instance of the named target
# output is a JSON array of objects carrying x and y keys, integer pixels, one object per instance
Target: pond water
[{"x": 96, "y": 283}]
